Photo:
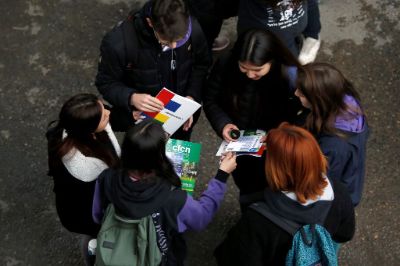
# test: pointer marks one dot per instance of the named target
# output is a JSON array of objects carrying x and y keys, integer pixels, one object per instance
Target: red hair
[{"x": 295, "y": 162}]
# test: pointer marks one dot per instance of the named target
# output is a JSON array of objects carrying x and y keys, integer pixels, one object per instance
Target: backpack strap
[{"x": 287, "y": 225}]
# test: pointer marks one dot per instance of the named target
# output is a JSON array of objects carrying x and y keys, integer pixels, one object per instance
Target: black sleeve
[
  {"x": 254, "y": 241},
  {"x": 201, "y": 62},
  {"x": 111, "y": 71},
  {"x": 241, "y": 246},
  {"x": 314, "y": 23},
  {"x": 340, "y": 221},
  {"x": 213, "y": 97}
]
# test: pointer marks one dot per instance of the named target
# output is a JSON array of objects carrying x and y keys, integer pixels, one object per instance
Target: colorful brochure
[
  {"x": 177, "y": 110},
  {"x": 185, "y": 157},
  {"x": 247, "y": 144}
]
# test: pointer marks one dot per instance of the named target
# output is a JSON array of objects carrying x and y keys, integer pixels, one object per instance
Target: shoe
[
  {"x": 220, "y": 43},
  {"x": 309, "y": 50}
]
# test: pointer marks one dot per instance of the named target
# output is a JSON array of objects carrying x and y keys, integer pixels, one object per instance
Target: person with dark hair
[
  {"x": 299, "y": 191},
  {"x": 159, "y": 46},
  {"x": 80, "y": 146},
  {"x": 290, "y": 20},
  {"x": 338, "y": 121},
  {"x": 252, "y": 88},
  {"x": 147, "y": 184}
]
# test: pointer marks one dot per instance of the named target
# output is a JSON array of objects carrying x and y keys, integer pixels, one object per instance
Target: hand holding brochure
[
  {"x": 177, "y": 110},
  {"x": 185, "y": 157},
  {"x": 247, "y": 144}
]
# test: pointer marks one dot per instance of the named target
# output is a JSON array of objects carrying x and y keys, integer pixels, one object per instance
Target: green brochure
[{"x": 185, "y": 157}]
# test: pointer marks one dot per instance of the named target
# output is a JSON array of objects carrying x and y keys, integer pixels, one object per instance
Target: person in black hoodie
[
  {"x": 298, "y": 190},
  {"x": 147, "y": 184},
  {"x": 80, "y": 146},
  {"x": 252, "y": 88},
  {"x": 337, "y": 119},
  {"x": 159, "y": 46}
]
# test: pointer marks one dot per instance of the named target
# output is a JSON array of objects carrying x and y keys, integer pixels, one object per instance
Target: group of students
[{"x": 311, "y": 173}]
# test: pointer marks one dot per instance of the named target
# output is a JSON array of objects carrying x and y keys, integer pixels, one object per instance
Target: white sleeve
[
  {"x": 82, "y": 167},
  {"x": 113, "y": 139}
]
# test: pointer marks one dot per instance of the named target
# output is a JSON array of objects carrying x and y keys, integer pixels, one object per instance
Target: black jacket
[
  {"x": 74, "y": 198},
  {"x": 255, "y": 240},
  {"x": 132, "y": 61},
  {"x": 231, "y": 97}
]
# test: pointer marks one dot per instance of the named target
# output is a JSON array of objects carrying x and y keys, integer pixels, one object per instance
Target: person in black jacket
[
  {"x": 252, "y": 88},
  {"x": 338, "y": 121},
  {"x": 159, "y": 46},
  {"x": 298, "y": 190},
  {"x": 80, "y": 146}
]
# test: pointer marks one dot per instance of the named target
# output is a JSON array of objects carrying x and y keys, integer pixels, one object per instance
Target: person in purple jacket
[
  {"x": 147, "y": 184},
  {"x": 338, "y": 121}
]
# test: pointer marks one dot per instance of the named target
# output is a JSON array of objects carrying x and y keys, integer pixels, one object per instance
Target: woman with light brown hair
[
  {"x": 299, "y": 191},
  {"x": 337, "y": 120}
]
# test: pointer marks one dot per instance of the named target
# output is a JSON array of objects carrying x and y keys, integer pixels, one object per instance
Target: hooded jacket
[
  {"x": 177, "y": 211},
  {"x": 255, "y": 240},
  {"x": 347, "y": 155}
]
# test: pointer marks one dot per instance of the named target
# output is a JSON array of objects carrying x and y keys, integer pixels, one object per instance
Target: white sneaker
[
  {"x": 220, "y": 43},
  {"x": 309, "y": 50}
]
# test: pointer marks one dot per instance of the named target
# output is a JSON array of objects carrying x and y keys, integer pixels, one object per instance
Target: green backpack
[{"x": 122, "y": 241}]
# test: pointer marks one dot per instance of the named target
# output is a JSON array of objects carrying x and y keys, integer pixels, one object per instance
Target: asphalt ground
[{"x": 49, "y": 52}]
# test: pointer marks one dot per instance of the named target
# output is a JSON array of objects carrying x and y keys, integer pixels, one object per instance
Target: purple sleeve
[
  {"x": 197, "y": 214},
  {"x": 97, "y": 209}
]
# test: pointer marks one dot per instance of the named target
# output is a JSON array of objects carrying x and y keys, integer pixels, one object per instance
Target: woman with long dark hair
[
  {"x": 80, "y": 146},
  {"x": 147, "y": 184},
  {"x": 298, "y": 191},
  {"x": 337, "y": 120},
  {"x": 252, "y": 88}
]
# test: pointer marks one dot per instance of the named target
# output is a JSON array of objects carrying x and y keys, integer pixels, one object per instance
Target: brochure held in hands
[
  {"x": 248, "y": 143},
  {"x": 185, "y": 157},
  {"x": 177, "y": 110}
]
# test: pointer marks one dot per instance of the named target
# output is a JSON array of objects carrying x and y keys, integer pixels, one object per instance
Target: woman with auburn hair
[
  {"x": 337, "y": 120},
  {"x": 298, "y": 191}
]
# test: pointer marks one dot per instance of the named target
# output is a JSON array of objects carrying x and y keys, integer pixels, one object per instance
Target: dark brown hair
[
  {"x": 325, "y": 87},
  {"x": 143, "y": 150},
  {"x": 259, "y": 47},
  {"x": 170, "y": 18},
  {"x": 295, "y": 163},
  {"x": 80, "y": 117}
]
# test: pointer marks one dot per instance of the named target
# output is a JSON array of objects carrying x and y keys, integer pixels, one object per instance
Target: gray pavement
[{"x": 49, "y": 52}]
